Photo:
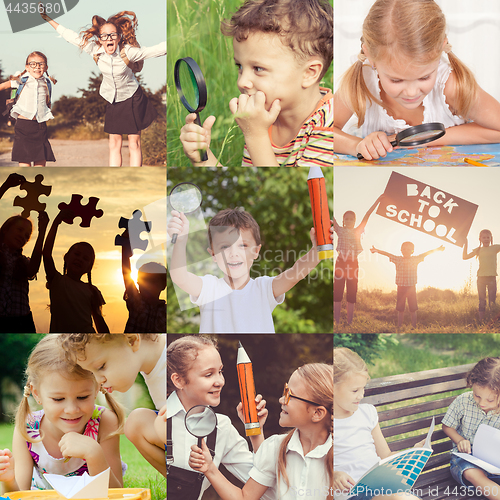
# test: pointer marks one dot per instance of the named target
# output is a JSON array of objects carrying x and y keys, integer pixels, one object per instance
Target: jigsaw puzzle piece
[
  {"x": 135, "y": 227},
  {"x": 85, "y": 212},
  {"x": 33, "y": 191}
]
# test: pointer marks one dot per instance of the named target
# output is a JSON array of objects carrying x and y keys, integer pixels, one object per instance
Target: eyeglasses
[
  {"x": 33, "y": 64},
  {"x": 107, "y": 36},
  {"x": 287, "y": 394}
]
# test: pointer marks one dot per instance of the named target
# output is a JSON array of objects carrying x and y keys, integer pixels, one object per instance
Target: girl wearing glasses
[
  {"x": 31, "y": 110},
  {"x": 294, "y": 465},
  {"x": 113, "y": 46}
]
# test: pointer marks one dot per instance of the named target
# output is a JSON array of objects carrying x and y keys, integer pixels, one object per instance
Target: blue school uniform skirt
[
  {"x": 130, "y": 116},
  {"x": 31, "y": 143}
]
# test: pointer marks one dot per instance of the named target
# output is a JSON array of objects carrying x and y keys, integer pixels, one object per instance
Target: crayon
[
  {"x": 320, "y": 212},
  {"x": 247, "y": 392},
  {"x": 476, "y": 163}
]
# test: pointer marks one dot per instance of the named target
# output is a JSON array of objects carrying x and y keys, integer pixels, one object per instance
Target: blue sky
[{"x": 71, "y": 68}]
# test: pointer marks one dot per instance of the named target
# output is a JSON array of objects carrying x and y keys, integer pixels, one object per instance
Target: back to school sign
[{"x": 427, "y": 209}]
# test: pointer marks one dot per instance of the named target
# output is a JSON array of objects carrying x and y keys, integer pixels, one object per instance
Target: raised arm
[
  {"x": 369, "y": 212},
  {"x": 48, "y": 260},
  {"x": 36, "y": 255},
  {"x": 438, "y": 249},
  {"x": 130, "y": 287},
  {"x": 465, "y": 255},
  {"x": 11, "y": 181},
  {"x": 45, "y": 17},
  {"x": 5, "y": 85},
  {"x": 381, "y": 252}
]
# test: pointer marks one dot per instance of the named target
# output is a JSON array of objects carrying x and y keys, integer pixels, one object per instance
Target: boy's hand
[
  {"x": 262, "y": 411},
  {"x": 374, "y": 145},
  {"x": 6, "y": 466},
  {"x": 251, "y": 114},
  {"x": 441, "y": 248},
  {"x": 65, "y": 213},
  {"x": 194, "y": 137},
  {"x": 43, "y": 220},
  {"x": 200, "y": 459},
  {"x": 178, "y": 224},
  {"x": 373, "y": 249},
  {"x": 464, "y": 446},
  {"x": 342, "y": 481}
]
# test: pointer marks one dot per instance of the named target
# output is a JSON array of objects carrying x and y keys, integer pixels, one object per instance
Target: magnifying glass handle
[
  {"x": 174, "y": 238},
  {"x": 361, "y": 157},
  {"x": 199, "y": 442},
  {"x": 204, "y": 156}
]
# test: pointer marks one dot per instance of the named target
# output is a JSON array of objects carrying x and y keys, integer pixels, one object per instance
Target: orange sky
[{"x": 121, "y": 191}]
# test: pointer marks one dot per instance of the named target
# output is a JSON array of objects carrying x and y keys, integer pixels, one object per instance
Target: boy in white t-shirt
[
  {"x": 235, "y": 303},
  {"x": 116, "y": 360}
]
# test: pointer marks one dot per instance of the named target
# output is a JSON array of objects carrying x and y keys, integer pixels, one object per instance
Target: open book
[
  {"x": 485, "y": 449},
  {"x": 396, "y": 473}
]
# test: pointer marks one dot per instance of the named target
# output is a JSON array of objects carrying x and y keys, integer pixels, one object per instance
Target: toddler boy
[
  {"x": 406, "y": 278},
  {"x": 282, "y": 49},
  {"x": 235, "y": 303}
]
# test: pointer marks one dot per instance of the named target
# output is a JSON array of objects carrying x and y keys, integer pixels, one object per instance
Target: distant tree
[
  {"x": 93, "y": 108},
  {"x": 70, "y": 107},
  {"x": 14, "y": 352}
]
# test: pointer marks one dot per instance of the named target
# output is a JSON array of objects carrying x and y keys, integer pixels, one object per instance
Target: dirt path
[{"x": 76, "y": 154}]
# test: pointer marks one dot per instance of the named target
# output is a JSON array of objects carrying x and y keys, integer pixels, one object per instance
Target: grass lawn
[{"x": 139, "y": 474}]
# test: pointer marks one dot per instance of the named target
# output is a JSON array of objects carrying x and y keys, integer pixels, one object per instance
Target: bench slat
[{"x": 414, "y": 409}]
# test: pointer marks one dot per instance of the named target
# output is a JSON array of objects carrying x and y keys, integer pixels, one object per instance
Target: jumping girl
[
  {"x": 359, "y": 442},
  {"x": 70, "y": 435},
  {"x": 465, "y": 414},
  {"x": 406, "y": 75},
  {"x": 73, "y": 303},
  {"x": 486, "y": 253},
  {"x": 31, "y": 110},
  {"x": 16, "y": 269},
  {"x": 279, "y": 465},
  {"x": 194, "y": 377},
  {"x": 113, "y": 45}
]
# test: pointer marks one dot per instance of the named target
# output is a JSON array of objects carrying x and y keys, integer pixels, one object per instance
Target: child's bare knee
[
  {"x": 473, "y": 474},
  {"x": 136, "y": 422}
]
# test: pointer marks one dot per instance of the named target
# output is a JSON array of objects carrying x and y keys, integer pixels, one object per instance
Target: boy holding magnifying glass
[{"x": 282, "y": 51}]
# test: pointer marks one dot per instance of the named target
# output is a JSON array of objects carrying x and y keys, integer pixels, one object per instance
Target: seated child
[
  {"x": 282, "y": 50},
  {"x": 406, "y": 278},
  {"x": 71, "y": 434},
  {"x": 465, "y": 414},
  {"x": 235, "y": 303},
  {"x": 116, "y": 360},
  {"x": 147, "y": 312}
]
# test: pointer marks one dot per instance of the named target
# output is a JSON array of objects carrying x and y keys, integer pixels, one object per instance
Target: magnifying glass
[
  {"x": 416, "y": 136},
  {"x": 200, "y": 421},
  {"x": 185, "y": 197},
  {"x": 192, "y": 89}
]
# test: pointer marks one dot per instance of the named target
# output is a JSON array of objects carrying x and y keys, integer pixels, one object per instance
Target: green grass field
[
  {"x": 439, "y": 311},
  {"x": 139, "y": 473},
  {"x": 193, "y": 30}
]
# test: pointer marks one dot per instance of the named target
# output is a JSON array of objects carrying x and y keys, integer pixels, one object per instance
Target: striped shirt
[
  {"x": 465, "y": 416},
  {"x": 406, "y": 269},
  {"x": 314, "y": 142}
]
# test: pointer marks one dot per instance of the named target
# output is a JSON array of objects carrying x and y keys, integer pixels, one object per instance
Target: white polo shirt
[{"x": 307, "y": 474}]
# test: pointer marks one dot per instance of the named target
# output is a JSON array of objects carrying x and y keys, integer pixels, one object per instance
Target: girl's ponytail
[
  {"x": 466, "y": 86},
  {"x": 22, "y": 414},
  {"x": 117, "y": 409}
]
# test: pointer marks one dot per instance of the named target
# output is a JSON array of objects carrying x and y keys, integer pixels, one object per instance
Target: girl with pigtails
[
  {"x": 70, "y": 435},
  {"x": 31, "y": 110},
  {"x": 407, "y": 74},
  {"x": 302, "y": 459},
  {"x": 113, "y": 45}
]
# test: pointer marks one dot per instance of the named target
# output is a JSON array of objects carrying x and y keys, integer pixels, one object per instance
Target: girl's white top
[
  {"x": 230, "y": 448},
  {"x": 32, "y": 100},
  {"x": 307, "y": 474},
  {"x": 354, "y": 451},
  {"x": 435, "y": 107},
  {"x": 156, "y": 380},
  {"x": 118, "y": 82}
]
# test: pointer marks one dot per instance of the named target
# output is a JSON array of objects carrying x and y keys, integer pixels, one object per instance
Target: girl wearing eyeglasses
[
  {"x": 294, "y": 465},
  {"x": 31, "y": 110},
  {"x": 113, "y": 45}
]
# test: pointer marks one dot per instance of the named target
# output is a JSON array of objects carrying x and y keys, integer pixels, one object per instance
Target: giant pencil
[
  {"x": 320, "y": 212},
  {"x": 247, "y": 392}
]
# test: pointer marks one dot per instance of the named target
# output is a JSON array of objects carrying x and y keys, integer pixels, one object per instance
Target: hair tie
[
  {"x": 447, "y": 48},
  {"x": 27, "y": 391},
  {"x": 104, "y": 391},
  {"x": 361, "y": 57}
]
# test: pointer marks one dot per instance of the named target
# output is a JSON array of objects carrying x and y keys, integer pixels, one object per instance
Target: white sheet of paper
[
  {"x": 80, "y": 486},
  {"x": 428, "y": 439},
  {"x": 480, "y": 463}
]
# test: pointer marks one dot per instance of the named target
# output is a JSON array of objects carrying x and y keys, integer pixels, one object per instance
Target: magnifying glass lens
[
  {"x": 188, "y": 84},
  {"x": 185, "y": 198},
  {"x": 200, "y": 421},
  {"x": 426, "y": 136}
]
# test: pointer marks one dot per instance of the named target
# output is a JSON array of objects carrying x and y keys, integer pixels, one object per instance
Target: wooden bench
[{"x": 435, "y": 482}]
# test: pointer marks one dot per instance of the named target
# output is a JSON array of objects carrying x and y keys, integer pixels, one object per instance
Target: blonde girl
[
  {"x": 31, "y": 111},
  {"x": 71, "y": 434},
  {"x": 359, "y": 442},
  {"x": 465, "y": 414},
  {"x": 16, "y": 270},
  {"x": 194, "y": 377},
  {"x": 113, "y": 45},
  {"x": 407, "y": 74},
  {"x": 486, "y": 253},
  {"x": 73, "y": 303},
  {"x": 279, "y": 467}
]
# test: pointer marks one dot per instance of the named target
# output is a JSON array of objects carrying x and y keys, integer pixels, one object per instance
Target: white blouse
[
  {"x": 118, "y": 82},
  {"x": 32, "y": 100}
]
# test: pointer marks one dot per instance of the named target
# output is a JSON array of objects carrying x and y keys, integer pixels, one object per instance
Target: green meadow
[{"x": 193, "y": 30}]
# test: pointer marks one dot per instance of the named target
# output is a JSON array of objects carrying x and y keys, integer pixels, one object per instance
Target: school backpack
[
  {"x": 134, "y": 66},
  {"x": 15, "y": 93}
]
